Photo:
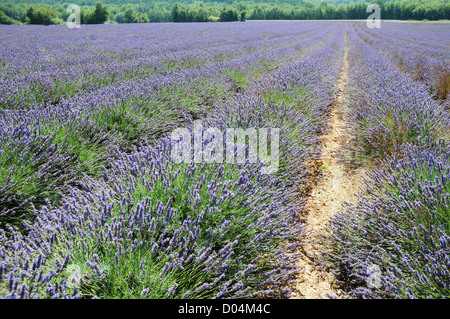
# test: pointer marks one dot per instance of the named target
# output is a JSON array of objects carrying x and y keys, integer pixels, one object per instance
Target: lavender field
[{"x": 92, "y": 204}]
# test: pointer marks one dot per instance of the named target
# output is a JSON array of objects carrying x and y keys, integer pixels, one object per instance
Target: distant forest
[{"x": 143, "y": 11}]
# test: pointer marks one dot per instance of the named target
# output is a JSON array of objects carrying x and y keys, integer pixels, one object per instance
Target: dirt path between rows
[{"x": 330, "y": 186}]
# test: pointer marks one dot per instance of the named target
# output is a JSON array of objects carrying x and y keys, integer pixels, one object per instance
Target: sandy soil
[{"x": 331, "y": 184}]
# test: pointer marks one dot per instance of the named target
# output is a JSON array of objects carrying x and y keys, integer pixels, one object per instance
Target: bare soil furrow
[{"x": 329, "y": 187}]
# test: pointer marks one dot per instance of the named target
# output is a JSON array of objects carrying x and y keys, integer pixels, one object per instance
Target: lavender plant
[{"x": 401, "y": 224}]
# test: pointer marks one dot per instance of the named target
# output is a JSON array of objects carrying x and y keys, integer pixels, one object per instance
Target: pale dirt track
[{"x": 330, "y": 185}]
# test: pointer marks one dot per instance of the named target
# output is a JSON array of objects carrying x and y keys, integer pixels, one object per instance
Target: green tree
[
  {"x": 99, "y": 15},
  {"x": 228, "y": 14},
  {"x": 128, "y": 15},
  {"x": 242, "y": 17},
  {"x": 45, "y": 16},
  {"x": 119, "y": 18},
  {"x": 4, "y": 19},
  {"x": 141, "y": 17},
  {"x": 175, "y": 13},
  {"x": 14, "y": 12}
]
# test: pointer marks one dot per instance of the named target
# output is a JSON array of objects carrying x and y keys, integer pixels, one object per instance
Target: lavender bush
[{"x": 401, "y": 224}]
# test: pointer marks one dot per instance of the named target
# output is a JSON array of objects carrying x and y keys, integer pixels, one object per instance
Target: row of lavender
[
  {"x": 143, "y": 226},
  {"x": 47, "y": 64},
  {"x": 419, "y": 49},
  {"x": 394, "y": 242},
  {"x": 47, "y": 147}
]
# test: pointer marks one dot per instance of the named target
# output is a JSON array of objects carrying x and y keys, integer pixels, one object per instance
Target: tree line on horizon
[{"x": 199, "y": 11}]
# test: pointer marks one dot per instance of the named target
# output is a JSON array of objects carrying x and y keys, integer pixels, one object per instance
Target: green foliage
[
  {"x": 128, "y": 15},
  {"x": 45, "y": 16},
  {"x": 131, "y": 16},
  {"x": 99, "y": 15},
  {"x": 4, "y": 19},
  {"x": 175, "y": 13},
  {"x": 14, "y": 11},
  {"x": 183, "y": 14},
  {"x": 141, "y": 18},
  {"x": 228, "y": 14},
  {"x": 242, "y": 16}
]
